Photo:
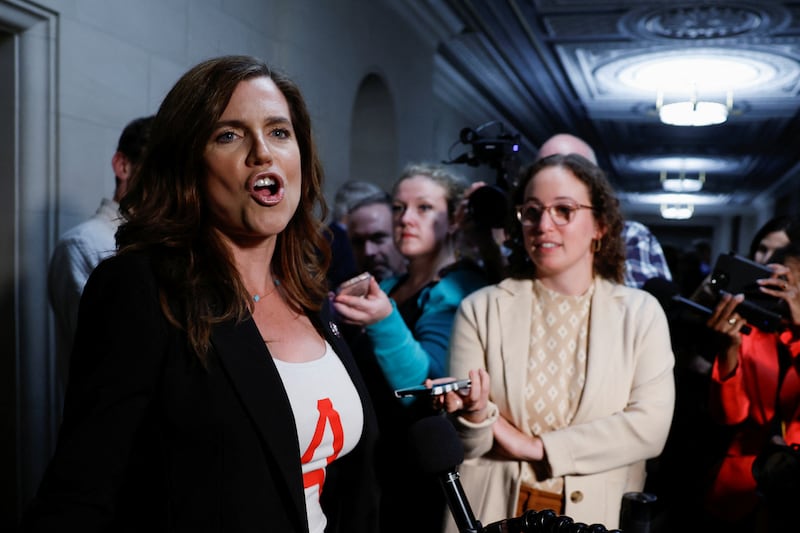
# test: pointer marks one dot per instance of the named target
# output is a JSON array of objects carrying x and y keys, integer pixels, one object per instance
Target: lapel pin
[{"x": 334, "y": 328}]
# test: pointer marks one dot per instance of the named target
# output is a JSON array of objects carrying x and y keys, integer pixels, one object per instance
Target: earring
[{"x": 596, "y": 245}]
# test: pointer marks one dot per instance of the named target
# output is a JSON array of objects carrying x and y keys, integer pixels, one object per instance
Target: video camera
[{"x": 488, "y": 206}]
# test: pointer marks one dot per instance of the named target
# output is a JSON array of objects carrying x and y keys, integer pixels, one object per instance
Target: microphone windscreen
[{"x": 436, "y": 445}]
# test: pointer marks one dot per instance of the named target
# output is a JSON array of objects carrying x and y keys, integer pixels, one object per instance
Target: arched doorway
[{"x": 373, "y": 134}]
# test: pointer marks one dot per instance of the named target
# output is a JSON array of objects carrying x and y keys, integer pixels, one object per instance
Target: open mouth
[{"x": 267, "y": 189}]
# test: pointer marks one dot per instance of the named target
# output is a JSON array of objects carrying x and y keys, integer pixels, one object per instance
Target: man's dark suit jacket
[{"x": 153, "y": 441}]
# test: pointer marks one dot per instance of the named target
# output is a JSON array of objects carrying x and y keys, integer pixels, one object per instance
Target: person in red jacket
[{"x": 755, "y": 385}]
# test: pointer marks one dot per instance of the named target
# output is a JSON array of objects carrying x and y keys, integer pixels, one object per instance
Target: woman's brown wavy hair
[
  {"x": 609, "y": 261},
  {"x": 166, "y": 212}
]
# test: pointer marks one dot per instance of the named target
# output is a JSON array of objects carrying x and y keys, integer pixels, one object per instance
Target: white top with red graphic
[{"x": 329, "y": 418}]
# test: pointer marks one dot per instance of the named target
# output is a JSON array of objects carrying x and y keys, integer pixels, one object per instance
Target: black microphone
[
  {"x": 529, "y": 521},
  {"x": 667, "y": 294},
  {"x": 546, "y": 521},
  {"x": 439, "y": 452}
]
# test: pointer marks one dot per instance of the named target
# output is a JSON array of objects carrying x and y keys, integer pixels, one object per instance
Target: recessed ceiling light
[
  {"x": 689, "y": 72},
  {"x": 675, "y": 198},
  {"x": 691, "y": 164},
  {"x": 703, "y": 71}
]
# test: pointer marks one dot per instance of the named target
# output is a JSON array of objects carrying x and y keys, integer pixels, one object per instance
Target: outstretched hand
[{"x": 363, "y": 310}]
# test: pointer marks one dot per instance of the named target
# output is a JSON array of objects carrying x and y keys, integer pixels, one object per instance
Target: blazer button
[{"x": 576, "y": 496}]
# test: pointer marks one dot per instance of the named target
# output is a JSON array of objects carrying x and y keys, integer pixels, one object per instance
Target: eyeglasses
[{"x": 561, "y": 213}]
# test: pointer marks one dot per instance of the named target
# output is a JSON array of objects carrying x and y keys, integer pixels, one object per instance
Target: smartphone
[
  {"x": 734, "y": 274},
  {"x": 357, "y": 286},
  {"x": 435, "y": 390}
]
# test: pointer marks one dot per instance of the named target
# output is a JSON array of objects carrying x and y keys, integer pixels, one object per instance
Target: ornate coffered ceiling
[{"x": 585, "y": 67}]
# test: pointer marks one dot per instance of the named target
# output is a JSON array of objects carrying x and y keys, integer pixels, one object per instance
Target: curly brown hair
[
  {"x": 609, "y": 261},
  {"x": 166, "y": 212}
]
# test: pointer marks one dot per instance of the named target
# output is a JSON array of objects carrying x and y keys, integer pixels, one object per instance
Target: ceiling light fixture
[
  {"x": 693, "y": 112},
  {"x": 682, "y": 184},
  {"x": 677, "y": 211}
]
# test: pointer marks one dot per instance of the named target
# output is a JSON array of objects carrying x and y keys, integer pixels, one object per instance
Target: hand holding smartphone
[
  {"x": 357, "y": 286},
  {"x": 436, "y": 390},
  {"x": 734, "y": 274}
]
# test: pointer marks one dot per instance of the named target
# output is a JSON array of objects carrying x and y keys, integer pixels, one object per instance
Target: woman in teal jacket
[
  {"x": 406, "y": 334},
  {"x": 409, "y": 318}
]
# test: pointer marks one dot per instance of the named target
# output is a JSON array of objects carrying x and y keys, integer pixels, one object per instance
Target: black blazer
[{"x": 152, "y": 441}]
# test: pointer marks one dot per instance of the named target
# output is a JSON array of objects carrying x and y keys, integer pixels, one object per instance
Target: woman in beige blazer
[{"x": 572, "y": 371}]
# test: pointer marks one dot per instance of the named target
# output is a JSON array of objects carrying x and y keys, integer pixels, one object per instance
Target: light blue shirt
[{"x": 78, "y": 251}]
